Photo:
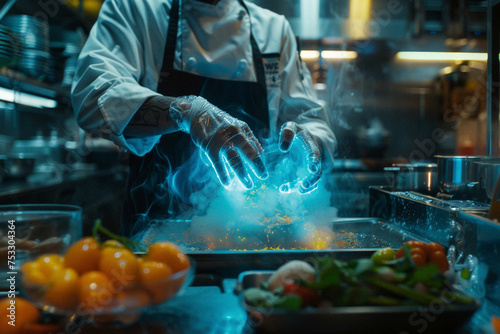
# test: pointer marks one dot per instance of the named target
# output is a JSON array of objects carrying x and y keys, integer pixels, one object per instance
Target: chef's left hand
[{"x": 293, "y": 135}]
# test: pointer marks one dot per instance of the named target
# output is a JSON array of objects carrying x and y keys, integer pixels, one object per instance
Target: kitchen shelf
[
  {"x": 56, "y": 12},
  {"x": 10, "y": 78}
]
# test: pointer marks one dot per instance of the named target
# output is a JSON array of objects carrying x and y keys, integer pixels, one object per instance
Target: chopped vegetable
[
  {"x": 309, "y": 297},
  {"x": 495, "y": 324},
  {"x": 266, "y": 299},
  {"x": 383, "y": 255},
  {"x": 292, "y": 269},
  {"x": 415, "y": 277},
  {"x": 423, "y": 254}
]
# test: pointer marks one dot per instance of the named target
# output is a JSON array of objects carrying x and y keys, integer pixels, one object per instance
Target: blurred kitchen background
[{"x": 402, "y": 81}]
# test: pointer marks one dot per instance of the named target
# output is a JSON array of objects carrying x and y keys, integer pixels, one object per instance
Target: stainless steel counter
[
  {"x": 454, "y": 224},
  {"x": 212, "y": 310}
]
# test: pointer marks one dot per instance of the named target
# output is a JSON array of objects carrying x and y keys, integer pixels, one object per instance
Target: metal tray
[
  {"x": 340, "y": 233},
  {"x": 352, "y": 319}
]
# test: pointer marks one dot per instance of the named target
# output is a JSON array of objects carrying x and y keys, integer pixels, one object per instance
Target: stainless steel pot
[
  {"x": 419, "y": 177},
  {"x": 17, "y": 166},
  {"x": 458, "y": 175},
  {"x": 488, "y": 172}
]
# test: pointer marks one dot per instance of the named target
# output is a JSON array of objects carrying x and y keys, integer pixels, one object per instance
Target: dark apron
[{"x": 160, "y": 183}]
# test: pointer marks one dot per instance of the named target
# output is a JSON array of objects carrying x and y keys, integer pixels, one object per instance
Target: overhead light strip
[
  {"x": 443, "y": 56},
  {"x": 9, "y": 95},
  {"x": 328, "y": 54}
]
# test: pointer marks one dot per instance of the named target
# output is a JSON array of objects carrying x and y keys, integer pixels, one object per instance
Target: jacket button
[
  {"x": 242, "y": 66},
  {"x": 191, "y": 62}
]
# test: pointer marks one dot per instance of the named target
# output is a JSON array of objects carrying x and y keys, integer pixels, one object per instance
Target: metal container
[
  {"x": 346, "y": 319},
  {"x": 458, "y": 175},
  {"x": 18, "y": 166},
  {"x": 6, "y": 143},
  {"x": 419, "y": 177},
  {"x": 488, "y": 171},
  {"x": 338, "y": 233}
]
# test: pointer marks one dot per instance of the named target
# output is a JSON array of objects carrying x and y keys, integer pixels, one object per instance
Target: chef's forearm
[{"x": 152, "y": 118}]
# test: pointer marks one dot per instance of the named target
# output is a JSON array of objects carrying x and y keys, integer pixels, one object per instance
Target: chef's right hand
[{"x": 230, "y": 145}]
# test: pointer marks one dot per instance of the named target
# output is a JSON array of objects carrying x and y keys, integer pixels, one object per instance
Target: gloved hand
[
  {"x": 293, "y": 135},
  {"x": 230, "y": 145}
]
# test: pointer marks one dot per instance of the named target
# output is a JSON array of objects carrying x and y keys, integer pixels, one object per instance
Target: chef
[{"x": 167, "y": 80}]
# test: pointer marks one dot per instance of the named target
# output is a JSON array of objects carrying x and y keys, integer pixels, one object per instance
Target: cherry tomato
[
  {"x": 400, "y": 253},
  {"x": 50, "y": 265},
  {"x": 419, "y": 251},
  {"x": 441, "y": 260},
  {"x": 83, "y": 255},
  {"x": 32, "y": 273},
  {"x": 170, "y": 254},
  {"x": 112, "y": 243},
  {"x": 434, "y": 247},
  {"x": 25, "y": 313},
  {"x": 120, "y": 265},
  {"x": 418, "y": 259},
  {"x": 418, "y": 244},
  {"x": 155, "y": 277},
  {"x": 309, "y": 297},
  {"x": 63, "y": 290},
  {"x": 94, "y": 291},
  {"x": 495, "y": 323},
  {"x": 383, "y": 255}
]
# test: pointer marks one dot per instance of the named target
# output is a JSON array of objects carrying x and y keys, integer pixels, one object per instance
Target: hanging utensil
[
  {"x": 6, "y": 8},
  {"x": 495, "y": 203}
]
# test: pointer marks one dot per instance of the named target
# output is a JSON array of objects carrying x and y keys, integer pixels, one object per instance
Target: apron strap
[
  {"x": 168, "y": 59},
  {"x": 256, "y": 54}
]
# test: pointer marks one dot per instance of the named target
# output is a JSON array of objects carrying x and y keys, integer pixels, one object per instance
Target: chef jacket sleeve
[
  {"x": 299, "y": 100},
  {"x": 106, "y": 92}
]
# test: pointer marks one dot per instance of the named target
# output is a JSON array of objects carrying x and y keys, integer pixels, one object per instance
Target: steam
[
  {"x": 347, "y": 95},
  {"x": 236, "y": 207},
  {"x": 234, "y": 217}
]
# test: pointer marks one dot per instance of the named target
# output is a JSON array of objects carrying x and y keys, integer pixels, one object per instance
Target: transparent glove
[
  {"x": 293, "y": 135},
  {"x": 229, "y": 144}
]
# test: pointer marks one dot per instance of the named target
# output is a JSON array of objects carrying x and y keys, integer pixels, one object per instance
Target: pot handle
[{"x": 494, "y": 212}]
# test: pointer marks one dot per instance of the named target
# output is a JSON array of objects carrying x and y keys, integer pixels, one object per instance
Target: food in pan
[{"x": 413, "y": 275}]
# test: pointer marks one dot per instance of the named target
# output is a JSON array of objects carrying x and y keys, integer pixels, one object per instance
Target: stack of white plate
[
  {"x": 65, "y": 47},
  {"x": 10, "y": 47},
  {"x": 35, "y": 41}
]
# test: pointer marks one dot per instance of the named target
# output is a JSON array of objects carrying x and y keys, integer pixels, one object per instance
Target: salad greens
[{"x": 365, "y": 282}]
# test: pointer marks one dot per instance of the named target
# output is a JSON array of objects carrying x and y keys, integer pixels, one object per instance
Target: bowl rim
[{"x": 34, "y": 208}]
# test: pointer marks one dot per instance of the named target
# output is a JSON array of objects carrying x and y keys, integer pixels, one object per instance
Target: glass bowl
[
  {"x": 30, "y": 230},
  {"x": 110, "y": 304}
]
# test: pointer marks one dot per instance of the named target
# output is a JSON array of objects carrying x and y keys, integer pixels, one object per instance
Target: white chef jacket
[{"x": 120, "y": 64}]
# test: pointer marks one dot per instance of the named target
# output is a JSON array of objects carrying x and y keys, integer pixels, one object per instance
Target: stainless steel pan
[
  {"x": 458, "y": 175},
  {"x": 419, "y": 177}
]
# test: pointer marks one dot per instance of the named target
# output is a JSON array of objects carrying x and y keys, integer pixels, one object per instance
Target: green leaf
[
  {"x": 351, "y": 296},
  {"x": 465, "y": 273},
  {"x": 288, "y": 302},
  {"x": 328, "y": 273},
  {"x": 429, "y": 275},
  {"x": 126, "y": 242}
]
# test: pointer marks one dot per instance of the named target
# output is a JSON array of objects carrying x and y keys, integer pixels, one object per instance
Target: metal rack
[{"x": 493, "y": 79}]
